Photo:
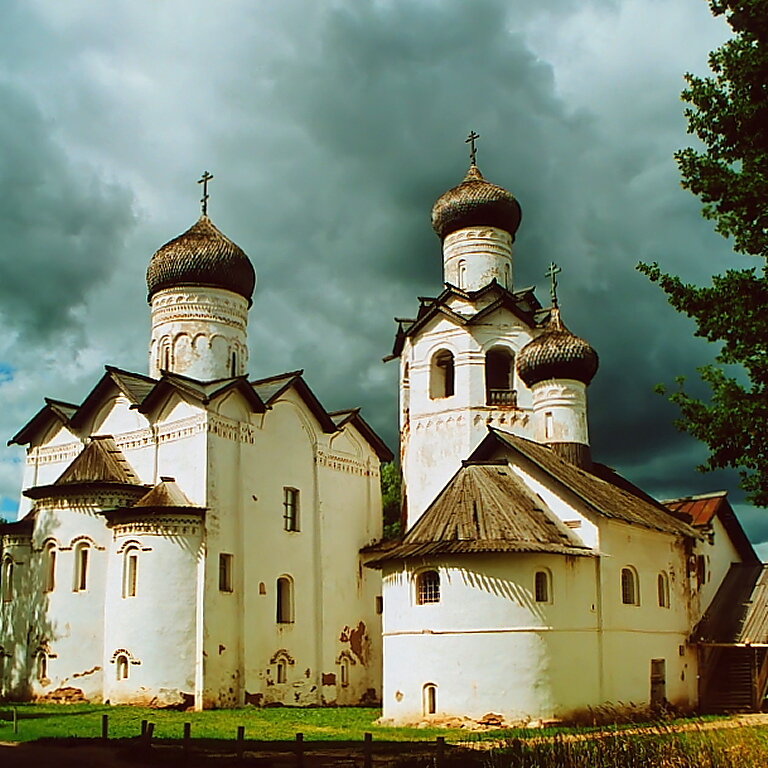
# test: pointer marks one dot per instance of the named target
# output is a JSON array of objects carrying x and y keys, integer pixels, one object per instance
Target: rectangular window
[
  {"x": 225, "y": 573},
  {"x": 379, "y": 604},
  {"x": 290, "y": 509},
  {"x": 130, "y": 573},
  {"x": 81, "y": 568}
]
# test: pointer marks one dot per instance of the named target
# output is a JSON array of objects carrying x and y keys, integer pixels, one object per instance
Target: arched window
[
  {"x": 427, "y": 587},
  {"x": 121, "y": 667},
  {"x": 630, "y": 593},
  {"x": 165, "y": 356},
  {"x": 344, "y": 671},
  {"x": 42, "y": 666},
  {"x": 233, "y": 364},
  {"x": 442, "y": 375},
  {"x": 82, "y": 555},
  {"x": 284, "y": 600},
  {"x": 662, "y": 585},
  {"x": 49, "y": 567},
  {"x": 500, "y": 377},
  {"x": 429, "y": 695},
  {"x": 7, "y": 579},
  {"x": 542, "y": 587},
  {"x": 131, "y": 571},
  {"x": 462, "y": 274}
]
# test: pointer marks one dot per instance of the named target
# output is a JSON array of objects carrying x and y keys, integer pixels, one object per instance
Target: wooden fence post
[
  {"x": 240, "y": 742},
  {"x": 440, "y": 750},
  {"x": 15, "y": 720},
  {"x": 105, "y": 727},
  {"x": 299, "y": 750},
  {"x": 186, "y": 741},
  {"x": 368, "y": 751},
  {"x": 148, "y": 736},
  {"x": 143, "y": 727}
]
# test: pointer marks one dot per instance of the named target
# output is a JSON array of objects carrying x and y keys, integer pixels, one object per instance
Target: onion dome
[
  {"x": 475, "y": 203},
  {"x": 556, "y": 354},
  {"x": 202, "y": 256}
]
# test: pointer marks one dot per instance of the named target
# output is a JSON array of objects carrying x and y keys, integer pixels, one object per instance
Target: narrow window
[
  {"x": 379, "y": 605},
  {"x": 429, "y": 693},
  {"x": 42, "y": 666},
  {"x": 290, "y": 509},
  {"x": 462, "y": 274},
  {"x": 49, "y": 564},
  {"x": 541, "y": 587},
  {"x": 662, "y": 584},
  {"x": 507, "y": 281},
  {"x": 225, "y": 573},
  {"x": 499, "y": 377},
  {"x": 82, "y": 553},
  {"x": 130, "y": 572},
  {"x": 701, "y": 570},
  {"x": 284, "y": 600},
  {"x": 549, "y": 425},
  {"x": 629, "y": 591},
  {"x": 282, "y": 674},
  {"x": 344, "y": 672},
  {"x": 233, "y": 364},
  {"x": 7, "y": 579},
  {"x": 442, "y": 378},
  {"x": 165, "y": 365},
  {"x": 427, "y": 587},
  {"x": 121, "y": 664}
]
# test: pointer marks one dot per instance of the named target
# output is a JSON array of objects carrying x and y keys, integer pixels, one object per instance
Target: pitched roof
[
  {"x": 702, "y": 509},
  {"x": 738, "y": 613},
  {"x": 485, "y": 508},
  {"x": 165, "y": 497},
  {"x": 602, "y": 497},
  {"x": 352, "y": 416},
  {"x": 523, "y": 304},
  {"x": 101, "y": 463},
  {"x": 53, "y": 411}
]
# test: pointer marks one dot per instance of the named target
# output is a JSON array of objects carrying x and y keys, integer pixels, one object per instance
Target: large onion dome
[
  {"x": 202, "y": 256},
  {"x": 475, "y": 203},
  {"x": 556, "y": 354}
]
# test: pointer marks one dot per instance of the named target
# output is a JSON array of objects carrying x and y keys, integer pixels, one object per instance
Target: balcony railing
[{"x": 502, "y": 397}]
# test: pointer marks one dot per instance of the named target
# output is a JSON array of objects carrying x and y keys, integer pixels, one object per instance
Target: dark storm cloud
[{"x": 60, "y": 226}]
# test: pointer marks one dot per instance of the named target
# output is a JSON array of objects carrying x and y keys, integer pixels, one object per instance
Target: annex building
[{"x": 195, "y": 537}]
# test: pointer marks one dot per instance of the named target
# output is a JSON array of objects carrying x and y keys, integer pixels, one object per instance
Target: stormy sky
[{"x": 331, "y": 127}]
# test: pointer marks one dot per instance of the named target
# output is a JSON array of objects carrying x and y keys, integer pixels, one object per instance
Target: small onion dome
[
  {"x": 203, "y": 255},
  {"x": 556, "y": 354},
  {"x": 475, "y": 203}
]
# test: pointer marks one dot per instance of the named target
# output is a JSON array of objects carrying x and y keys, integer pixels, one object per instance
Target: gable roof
[
  {"x": 523, "y": 304},
  {"x": 601, "y": 496},
  {"x": 202, "y": 391},
  {"x": 352, "y": 416},
  {"x": 101, "y": 463},
  {"x": 485, "y": 507},
  {"x": 166, "y": 497},
  {"x": 53, "y": 411},
  {"x": 702, "y": 509},
  {"x": 738, "y": 613}
]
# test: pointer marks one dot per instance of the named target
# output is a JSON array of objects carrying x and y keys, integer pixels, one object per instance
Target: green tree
[
  {"x": 391, "y": 499},
  {"x": 728, "y": 111}
]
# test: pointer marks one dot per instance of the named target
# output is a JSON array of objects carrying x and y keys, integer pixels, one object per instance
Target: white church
[{"x": 198, "y": 538}]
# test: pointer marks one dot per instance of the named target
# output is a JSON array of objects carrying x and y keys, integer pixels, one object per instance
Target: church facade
[
  {"x": 191, "y": 537},
  {"x": 532, "y": 581}
]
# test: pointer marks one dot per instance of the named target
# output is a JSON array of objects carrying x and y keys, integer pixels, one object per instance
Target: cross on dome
[
  {"x": 472, "y": 149},
  {"x": 206, "y": 177},
  {"x": 552, "y": 272}
]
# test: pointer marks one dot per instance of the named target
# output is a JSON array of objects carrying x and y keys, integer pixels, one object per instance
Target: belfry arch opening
[
  {"x": 500, "y": 377},
  {"x": 442, "y": 375}
]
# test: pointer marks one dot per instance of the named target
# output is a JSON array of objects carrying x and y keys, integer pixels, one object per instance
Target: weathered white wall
[
  {"x": 474, "y": 256},
  {"x": 560, "y": 412}
]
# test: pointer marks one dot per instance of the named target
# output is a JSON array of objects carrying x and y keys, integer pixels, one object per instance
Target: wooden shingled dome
[
  {"x": 475, "y": 203},
  {"x": 556, "y": 354},
  {"x": 202, "y": 255}
]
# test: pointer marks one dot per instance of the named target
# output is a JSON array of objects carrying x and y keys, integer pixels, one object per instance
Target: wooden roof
[
  {"x": 164, "y": 498},
  {"x": 604, "y": 498},
  {"x": 352, "y": 416},
  {"x": 485, "y": 508},
  {"x": 738, "y": 614}
]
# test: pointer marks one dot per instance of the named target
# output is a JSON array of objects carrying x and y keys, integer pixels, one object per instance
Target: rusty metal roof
[
  {"x": 602, "y": 497},
  {"x": 485, "y": 508},
  {"x": 738, "y": 614}
]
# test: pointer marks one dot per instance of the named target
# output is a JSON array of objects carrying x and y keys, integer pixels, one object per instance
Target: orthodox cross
[
  {"x": 472, "y": 149},
  {"x": 552, "y": 272},
  {"x": 204, "y": 199}
]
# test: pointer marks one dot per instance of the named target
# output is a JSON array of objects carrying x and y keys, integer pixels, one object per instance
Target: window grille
[
  {"x": 428, "y": 587},
  {"x": 290, "y": 509}
]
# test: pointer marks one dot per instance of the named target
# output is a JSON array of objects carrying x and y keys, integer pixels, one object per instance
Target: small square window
[
  {"x": 290, "y": 509},
  {"x": 225, "y": 573}
]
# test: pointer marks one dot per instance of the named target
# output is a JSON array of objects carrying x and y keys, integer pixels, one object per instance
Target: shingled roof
[
  {"x": 602, "y": 497},
  {"x": 485, "y": 508}
]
